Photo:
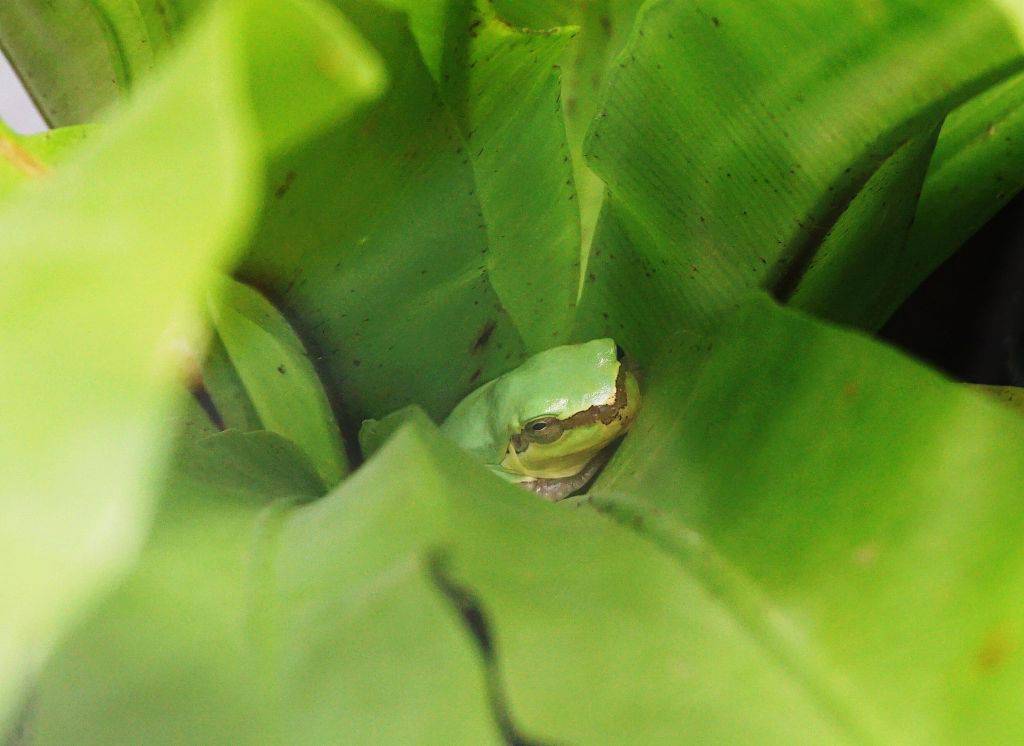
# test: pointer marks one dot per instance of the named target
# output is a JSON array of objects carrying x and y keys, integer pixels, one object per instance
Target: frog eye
[{"x": 543, "y": 430}]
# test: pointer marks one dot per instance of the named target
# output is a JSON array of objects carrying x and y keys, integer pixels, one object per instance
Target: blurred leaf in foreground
[{"x": 97, "y": 260}]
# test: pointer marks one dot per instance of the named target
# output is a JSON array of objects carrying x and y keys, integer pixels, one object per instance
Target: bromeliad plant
[{"x": 805, "y": 537}]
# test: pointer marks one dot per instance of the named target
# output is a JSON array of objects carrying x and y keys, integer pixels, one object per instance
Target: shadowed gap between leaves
[
  {"x": 202, "y": 396},
  {"x": 316, "y": 355},
  {"x": 967, "y": 317},
  {"x": 791, "y": 269},
  {"x": 474, "y": 618}
]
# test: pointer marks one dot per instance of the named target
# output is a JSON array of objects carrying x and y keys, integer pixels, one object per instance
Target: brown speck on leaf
[
  {"x": 285, "y": 185},
  {"x": 850, "y": 390},
  {"x": 476, "y": 375},
  {"x": 995, "y": 650},
  {"x": 357, "y": 363},
  {"x": 716, "y": 21},
  {"x": 280, "y": 369},
  {"x": 484, "y": 336}
]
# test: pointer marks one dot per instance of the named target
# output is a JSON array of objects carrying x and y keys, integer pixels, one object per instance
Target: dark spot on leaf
[
  {"x": 285, "y": 185},
  {"x": 357, "y": 363},
  {"x": 714, "y": 20},
  {"x": 484, "y": 336},
  {"x": 995, "y": 649},
  {"x": 476, "y": 375},
  {"x": 280, "y": 369}
]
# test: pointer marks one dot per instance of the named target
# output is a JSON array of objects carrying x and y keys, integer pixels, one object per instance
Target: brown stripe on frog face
[{"x": 603, "y": 413}]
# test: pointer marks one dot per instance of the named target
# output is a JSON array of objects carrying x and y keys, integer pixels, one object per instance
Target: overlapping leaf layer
[{"x": 807, "y": 537}]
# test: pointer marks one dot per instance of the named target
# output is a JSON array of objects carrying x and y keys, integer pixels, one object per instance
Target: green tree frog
[{"x": 547, "y": 424}]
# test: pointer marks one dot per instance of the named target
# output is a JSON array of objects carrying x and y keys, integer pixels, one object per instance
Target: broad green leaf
[
  {"x": 503, "y": 86},
  {"x": 98, "y": 261},
  {"x": 874, "y": 505},
  {"x": 590, "y": 634},
  {"x": 603, "y": 28},
  {"x": 373, "y": 238},
  {"x": 735, "y": 134},
  {"x": 301, "y": 94},
  {"x": 278, "y": 376},
  {"x": 186, "y": 650},
  {"x": 430, "y": 602},
  {"x": 167, "y": 658}
]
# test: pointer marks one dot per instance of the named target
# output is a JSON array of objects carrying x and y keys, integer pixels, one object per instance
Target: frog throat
[{"x": 602, "y": 415}]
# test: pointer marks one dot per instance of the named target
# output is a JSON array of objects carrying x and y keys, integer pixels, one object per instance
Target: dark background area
[{"x": 967, "y": 319}]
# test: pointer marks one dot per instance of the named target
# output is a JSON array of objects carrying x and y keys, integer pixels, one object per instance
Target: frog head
[{"x": 564, "y": 406}]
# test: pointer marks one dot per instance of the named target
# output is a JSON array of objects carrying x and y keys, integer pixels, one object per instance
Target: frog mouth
[{"x": 555, "y": 489}]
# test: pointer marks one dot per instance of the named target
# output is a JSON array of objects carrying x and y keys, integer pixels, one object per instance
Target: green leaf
[
  {"x": 427, "y": 602},
  {"x": 873, "y": 504},
  {"x": 589, "y": 633},
  {"x": 503, "y": 86},
  {"x": 98, "y": 261},
  {"x": 604, "y": 27},
  {"x": 375, "y": 433},
  {"x": 428, "y": 21},
  {"x": 185, "y": 654},
  {"x": 863, "y": 249},
  {"x": 977, "y": 169},
  {"x": 166, "y": 658},
  {"x": 374, "y": 237},
  {"x": 278, "y": 376},
  {"x": 735, "y": 135}
]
